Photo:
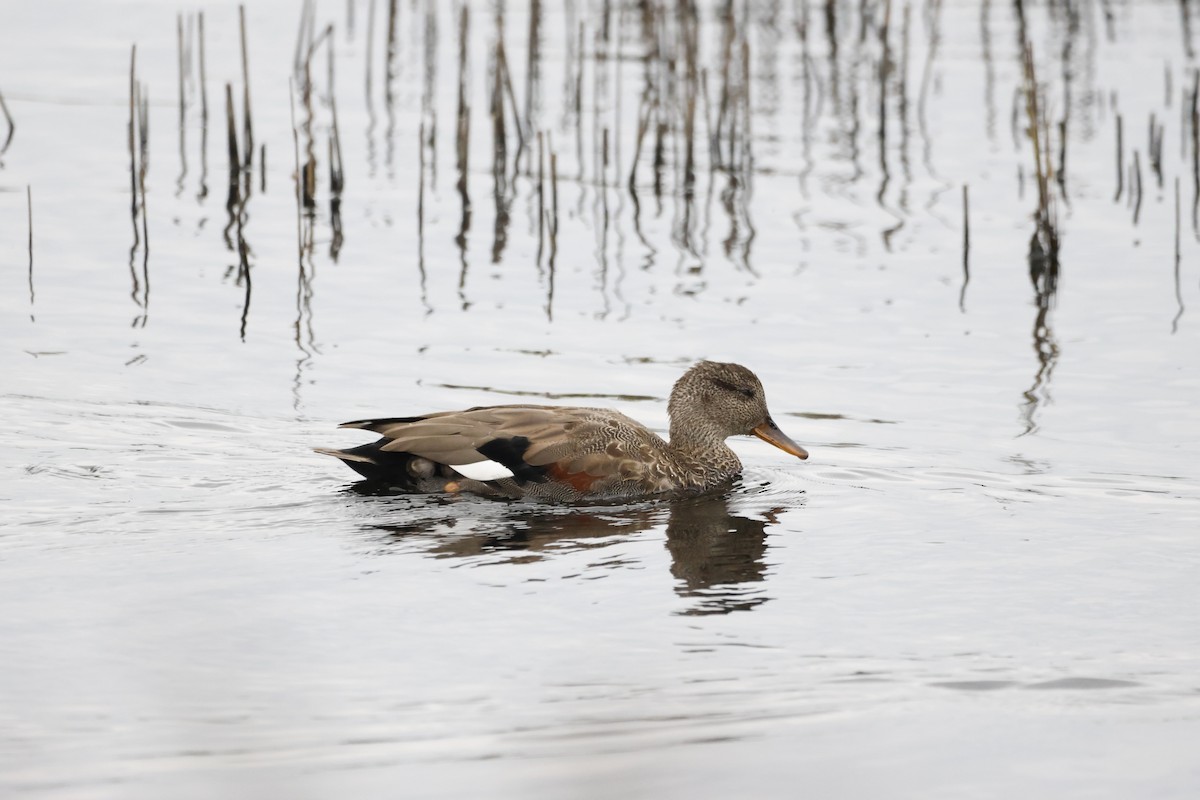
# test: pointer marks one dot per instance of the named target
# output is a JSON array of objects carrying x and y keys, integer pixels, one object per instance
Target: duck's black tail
[{"x": 397, "y": 470}]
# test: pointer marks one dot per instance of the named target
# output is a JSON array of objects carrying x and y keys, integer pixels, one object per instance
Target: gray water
[{"x": 985, "y": 582}]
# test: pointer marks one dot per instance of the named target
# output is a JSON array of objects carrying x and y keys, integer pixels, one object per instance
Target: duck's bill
[{"x": 769, "y": 432}]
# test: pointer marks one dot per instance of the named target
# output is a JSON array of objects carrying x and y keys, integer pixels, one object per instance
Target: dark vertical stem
[
  {"x": 243, "y": 251},
  {"x": 143, "y": 151},
  {"x": 989, "y": 72},
  {"x": 389, "y": 76},
  {"x": 541, "y": 196},
  {"x": 885, "y": 68},
  {"x": 1194, "y": 116},
  {"x": 578, "y": 106},
  {"x": 299, "y": 176},
  {"x": 247, "y": 126},
  {"x": 1120, "y": 158},
  {"x": 203, "y": 192},
  {"x": 512, "y": 100},
  {"x": 133, "y": 152},
  {"x": 1178, "y": 257},
  {"x": 1137, "y": 187},
  {"x": 687, "y": 30},
  {"x": 1154, "y": 148},
  {"x": 135, "y": 292},
  {"x": 182, "y": 61},
  {"x": 533, "y": 63},
  {"x": 429, "y": 90},
  {"x": 966, "y": 253},
  {"x": 303, "y": 37},
  {"x": 421, "y": 213},
  {"x": 462, "y": 142},
  {"x": 1185, "y": 19},
  {"x": 553, "y": 234},
  {"x": 617, "y": 93},
  {"x": 29, "y": 211},
  {"x": 905, "y": 30},
  {"x": 337, "y": 180},
  {"x": 935, "y": 39},
  {"x": 233, "y": 198},
  {"x": 12, "y": 127},
  {"x": 370, "y": 47},
  {"x": 463, "y": 116}
]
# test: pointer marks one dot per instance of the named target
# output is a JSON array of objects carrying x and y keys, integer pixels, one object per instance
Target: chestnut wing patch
[{"x": 579, "y": 481}]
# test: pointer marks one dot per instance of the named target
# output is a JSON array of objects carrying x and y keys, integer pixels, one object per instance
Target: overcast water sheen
[{"x": 984, "y": 582}]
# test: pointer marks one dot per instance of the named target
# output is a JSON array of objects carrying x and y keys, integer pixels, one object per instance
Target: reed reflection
[
  {"x": 184, "y": 57},
  {"x": 717, "y": 109},
  {"x": 29, "y": 213},
  {"x": 390, "y": 74},
  {"x": 139, "y": 148},
  {"x": 12, "y": 128},
  {"x": 236, "y": 199},
  {"x": 1044, "y": 242},
  {"x": 202, "y": 190},
  {"x": 718, "y": 556}
]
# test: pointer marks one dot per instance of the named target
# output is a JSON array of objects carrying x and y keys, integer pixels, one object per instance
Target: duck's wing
[{"x": 578, "y": 446}]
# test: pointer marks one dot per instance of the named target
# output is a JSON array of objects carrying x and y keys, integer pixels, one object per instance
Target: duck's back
[{"x": 556, "y": 453}]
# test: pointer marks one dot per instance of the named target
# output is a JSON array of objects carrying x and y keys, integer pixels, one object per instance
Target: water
[{"x": 984, "y": 581}]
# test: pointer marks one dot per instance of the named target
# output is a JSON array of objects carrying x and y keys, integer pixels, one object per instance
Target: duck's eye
[{"x": 744, "y": 391}]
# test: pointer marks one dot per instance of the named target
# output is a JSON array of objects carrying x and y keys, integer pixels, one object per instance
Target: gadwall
[{"x": 570, "y": 454}]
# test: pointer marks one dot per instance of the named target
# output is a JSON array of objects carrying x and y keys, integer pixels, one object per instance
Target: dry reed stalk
[
  {"x": 247, "y": 125},
  {"x": 1038, "y": 132},
  {"x": 370, "y": 48},
  {"x": 1178, "y": 258},
  {"x": 299, "y": 201},
  {"x": 541, "y": 195},
  {"x": 12, "y": 126},
  {"x": 499, "y": 131},
  {"x": 143, "y": 126},
  {"x": 885, "y": 69},
  {"x": 1136, "y": 187},
  {"x": 182, "y": 62},
  {"x": 512, "y": 100},
  {"x": 463, "y": 115},
  {"x": 421, "y": 194},
  {"x": 643, "y": 126},
  {"x": 1043, "y": 255},
  {"x": 203, "y": 77},
  {"x": 1155, "y": 146},
  {"x": 966, "y": 248},
  {"x": 1194, "y": 117},
  {"x": 233, "y": 198},
  {"x": 1120, "y": 158},
  {"x": 553, "y": 234},
  {"x": 337, "y": 172},
  {"x": 203, "y": 190},
  {"x": 133, "y": 145},
  {"x": 532, "y": 63},
  {"x": 29, "y": 217}
]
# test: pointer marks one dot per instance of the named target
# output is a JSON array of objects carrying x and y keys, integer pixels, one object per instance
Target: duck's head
[{"x": 727, "y": 399}]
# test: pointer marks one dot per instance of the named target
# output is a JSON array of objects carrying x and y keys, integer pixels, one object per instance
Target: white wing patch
[{"x": 482, "y": 470}]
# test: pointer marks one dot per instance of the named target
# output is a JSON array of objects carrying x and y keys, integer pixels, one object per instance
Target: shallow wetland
[{"x": 958, "y": 241}]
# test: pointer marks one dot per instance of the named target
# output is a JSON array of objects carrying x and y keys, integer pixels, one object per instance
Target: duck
[{"x": 570, "y": 454}]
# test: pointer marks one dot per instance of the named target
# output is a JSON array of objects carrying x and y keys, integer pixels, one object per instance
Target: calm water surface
[{"x": 984, "y": 583}]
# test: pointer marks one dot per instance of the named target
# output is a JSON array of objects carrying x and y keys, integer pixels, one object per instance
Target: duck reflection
[{"x": 717, "y": 555}]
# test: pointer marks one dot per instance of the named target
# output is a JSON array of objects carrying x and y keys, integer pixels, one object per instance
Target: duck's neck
[{"x": 702, "y": 453}]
